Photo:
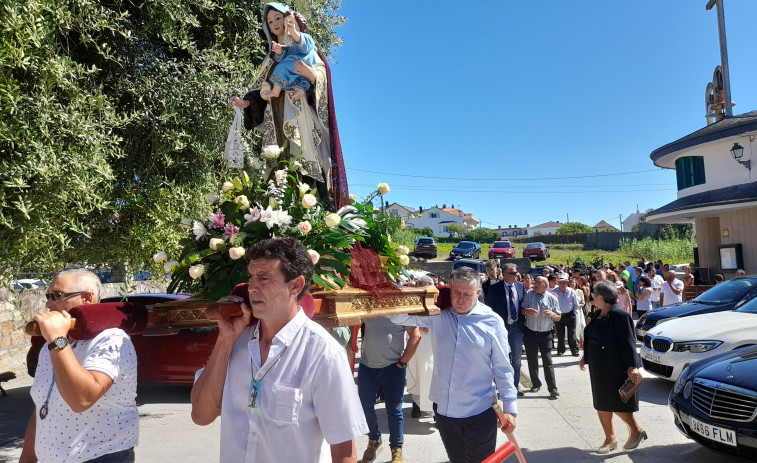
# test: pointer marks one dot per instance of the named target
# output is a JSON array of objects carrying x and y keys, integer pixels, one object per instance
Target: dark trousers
[
  {"x": 468, "y": 440},
  {"x": 392, "y": 380},
  {"x": 124, "y": 456},
  {"x": 567, "y": 323},
  {"x": 535, "y": 342},
  {"x": 515, "y": 339}
]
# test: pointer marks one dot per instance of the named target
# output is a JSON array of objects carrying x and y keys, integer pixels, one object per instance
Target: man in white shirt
[
  {"x": 470, "y": 357},
  {"x": 569, "y": 310},
  {"x": 672, "y": 289},
  {"x": 282, "y": 385},
  {"x": 84, "y": 391},
  {"x": 657, "y": 282}
]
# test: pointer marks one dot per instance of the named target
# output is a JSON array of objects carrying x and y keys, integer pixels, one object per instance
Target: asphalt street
[{"x": 564, "y": 430}]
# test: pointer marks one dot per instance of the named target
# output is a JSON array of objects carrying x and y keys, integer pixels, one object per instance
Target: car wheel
[{"x": 434, "y": 255}]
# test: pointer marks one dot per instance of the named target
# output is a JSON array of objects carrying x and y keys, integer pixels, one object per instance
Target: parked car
[
  {"x": 466, "y": 249},
  {"x": 714, "y": 402},
  {"x": 29, "y": 283},
  {"x": 476, "y": 265},
  {"x": 425, "y": 246},
  {"x": 170, "y": 358},
  {"x": 725, "y": 296},
  {"x": 501, "y": 249},
  {"x": 536, "y": 251},
  {"x": 538, "y": 270},
  {"x": 670, "y": 347}
]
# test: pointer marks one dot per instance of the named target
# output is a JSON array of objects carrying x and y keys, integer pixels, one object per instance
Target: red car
[
  {"x": 536, "y": 251},
  {"x": 501, "y": 249}
]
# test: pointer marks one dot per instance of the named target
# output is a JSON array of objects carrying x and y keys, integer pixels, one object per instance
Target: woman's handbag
[
  {"x": 233, "y": 153},
  {"x": 628, "y": 389}
]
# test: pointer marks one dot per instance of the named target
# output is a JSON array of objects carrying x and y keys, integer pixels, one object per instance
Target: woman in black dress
[{"x": 610, "y": 352}]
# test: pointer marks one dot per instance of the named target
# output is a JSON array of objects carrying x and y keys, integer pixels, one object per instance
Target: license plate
[
  {"x": 714, "y": 433},
  {"x": 650, "y": 356}
]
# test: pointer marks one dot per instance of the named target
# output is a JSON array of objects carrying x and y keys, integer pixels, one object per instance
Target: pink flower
[
  {"x": 253, "y": 216},
  {"x": 314, "y": 256},
  {"x": 216, "y": 220},
  {"x": 230, "y": 232},
  {"x": 304, "y": 227}
]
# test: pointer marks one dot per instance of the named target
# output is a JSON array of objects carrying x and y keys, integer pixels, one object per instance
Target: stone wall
[{"x": 17, "y": 308}]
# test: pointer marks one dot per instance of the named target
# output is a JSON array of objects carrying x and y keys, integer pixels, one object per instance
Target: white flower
[
  {"x": 389, "y": 237},
  {"x": 332, "y": 220},
  {"x": 256, "y": 163},
  {"x": 252, "y": 216},
  {"x": 227, "y": 186},
  {"x": 383, "y": 188},
  {"x": 281, "y": 175},
  {"x": 303, "y": 187},
  {"x": 196, "y": 271},
  {"x": 404, "y": 260},
  {"x": 210, "y": 198},
  {"x": 304, "y": 227},
  {"x": 168, "y": 266},
  {"x": 160, "y": 257},
  {"x": 214, "y": 242},
  {"x": 309, "y": 201},
  {"x": 186, "y": 222},
  {"x": 271, "y": 151},
  {"x": 198, "y": 229},
  {"x": 403, "y": 250},
  {"x": 272, "y": 217},
  {"x": 236, "y": 252},
  {"x": 314, "y": 256},
  {"x": 353, "y": 198},
  {"x": 242, "y": 202}
]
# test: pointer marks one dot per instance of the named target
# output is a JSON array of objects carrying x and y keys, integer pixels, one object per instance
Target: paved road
[{"x": 565, "y": 430}]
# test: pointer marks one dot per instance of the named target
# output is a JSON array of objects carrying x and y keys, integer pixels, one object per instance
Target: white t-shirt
[
  {"x": 657, "y": 282},
  {"x": 645, "y": 305},
  {"x": 669, "y": 297},
  {"x": 111, "y": 424},
  {"x": 308, "y": 399}
]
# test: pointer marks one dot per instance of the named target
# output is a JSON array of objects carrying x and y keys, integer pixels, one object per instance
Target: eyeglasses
[{"x": 59, "y": 295}]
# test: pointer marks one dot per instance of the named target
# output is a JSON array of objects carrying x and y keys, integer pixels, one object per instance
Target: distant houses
[{"x": 436, "y": 218}]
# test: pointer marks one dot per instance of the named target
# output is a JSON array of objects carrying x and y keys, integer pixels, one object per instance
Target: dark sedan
[
  {"x": 714, "y": 402},
  {"x": 536, "y": 251},
  {"x": 725, "y": 296},
  {"x": 466, "y": 250}
]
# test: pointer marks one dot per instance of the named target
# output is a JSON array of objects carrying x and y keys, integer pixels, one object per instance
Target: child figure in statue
[{"x": 296, "y": 46}]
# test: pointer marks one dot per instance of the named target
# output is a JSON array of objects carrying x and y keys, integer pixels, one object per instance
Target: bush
[{"x": 670, "y": 251}]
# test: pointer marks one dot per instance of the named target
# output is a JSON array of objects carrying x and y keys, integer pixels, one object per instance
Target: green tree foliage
[
  {"x": 113, "y": 120},
  {"x": 572, "y": 228},
  {"x": 482, "y": 235},
  {"x": 455, "y": 230}
]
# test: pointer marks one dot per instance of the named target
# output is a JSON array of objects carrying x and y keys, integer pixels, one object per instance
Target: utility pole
[
  {"x": 723, "y": 54},
  {"x": 621, "y": 222}
]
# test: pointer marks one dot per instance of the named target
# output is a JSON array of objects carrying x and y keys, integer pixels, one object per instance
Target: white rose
[
  {"x": 160, "y": 257},
  {"x": 281, "y": 175},
  {"x": 308, "y": 201},
  {"x": 186, "y": 222},
  {"x": 404, "y": 260},
  {"x": 332, "y": 220},
  {"x": 227, "y": 186},
  {"x": 271, "y": 151},
  {"x": 314, "y": 256},
  {"x": 196, "y": 271},
  {"x": 304, "y": 227},
  {"x": 210, "y": 198},
  {"x": 236, "y": 252},
  {"x": 242, "y": 202},
  {"x": 403, "y": 250},
  {"x": 303, "y": 187},
  {"x": 214, "y": 242},
  {"x": 168, "y": 266},
  {"x": 383, "y": 188}
]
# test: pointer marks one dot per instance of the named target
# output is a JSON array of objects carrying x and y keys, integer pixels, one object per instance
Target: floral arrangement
[{"x": 270, "y": 199}]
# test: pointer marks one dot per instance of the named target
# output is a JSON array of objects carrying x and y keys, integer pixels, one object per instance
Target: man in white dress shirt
[{"x": 282, "y": 385}]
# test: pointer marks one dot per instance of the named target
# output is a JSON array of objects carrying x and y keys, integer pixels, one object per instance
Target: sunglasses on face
[{"x": 59, "y": 295}]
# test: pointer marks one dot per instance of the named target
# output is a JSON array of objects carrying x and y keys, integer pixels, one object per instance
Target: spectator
[
  {"x": 718, "y": 278},
  {"x": 740, "y": 273},
  {"x": 528, "y": 281},
  {"x": 672, "y": 289},
  {"x": 84, "y": 391},
  {"x": 643, "y": 295},
  {"x": 657, "y": 282},
  {"x": 624, "y": 298},
  {"x": 552, "y": 281},
  {"x": 492, "y": 274},
  {"x": 282, "y": 385},
  {"x": 687, "y": 278},
  {"x": 541, "y": 309},
  {"x": 570, "y": 310}
]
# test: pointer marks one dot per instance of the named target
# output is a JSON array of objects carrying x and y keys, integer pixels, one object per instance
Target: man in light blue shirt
[{"x": 470, "y": 356}]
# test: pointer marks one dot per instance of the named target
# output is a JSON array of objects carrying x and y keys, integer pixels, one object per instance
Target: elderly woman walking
[{"x": 610, "y": 352}]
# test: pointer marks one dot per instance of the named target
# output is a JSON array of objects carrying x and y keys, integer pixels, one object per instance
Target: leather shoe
[
  {"x": 535, "y": 389},
  {"x": 416, "y": 411},
  {"x": 632, "y": 445},
  {"x": 553, "y": 395},
  {"x": 608, "y": 448},
  {"x": 521, "y": 394}
]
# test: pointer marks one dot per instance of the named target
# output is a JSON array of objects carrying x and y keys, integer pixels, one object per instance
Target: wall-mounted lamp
[{"x": 738, "y": 152}]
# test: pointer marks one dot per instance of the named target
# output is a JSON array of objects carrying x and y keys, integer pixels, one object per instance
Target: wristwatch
[
  {"x": 401, "y": 364},
  {"x": 59, "y": 343}
]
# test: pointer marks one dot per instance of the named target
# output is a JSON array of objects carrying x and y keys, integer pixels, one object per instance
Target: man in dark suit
[{"x": 504, "y": 298}]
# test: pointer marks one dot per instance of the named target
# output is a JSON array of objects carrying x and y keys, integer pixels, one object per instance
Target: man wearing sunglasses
[{"x": 84, "y": 391}]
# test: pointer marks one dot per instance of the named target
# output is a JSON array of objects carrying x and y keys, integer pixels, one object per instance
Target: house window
[
  {"x": 504, "y": 233},
  {"x": 515, "y": 233},
  {"x": 434, "y": 215},
  {"x": 690, "y": 171}
]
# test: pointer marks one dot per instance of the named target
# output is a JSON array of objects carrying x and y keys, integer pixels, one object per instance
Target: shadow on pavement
[
  {"x": 652, "y": 454},
  {"x": 15, "y": 410},
  {"x": 655, "y": 390}
]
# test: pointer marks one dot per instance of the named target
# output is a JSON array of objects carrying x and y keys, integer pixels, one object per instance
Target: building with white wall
[{"x": 436, "y": 219}]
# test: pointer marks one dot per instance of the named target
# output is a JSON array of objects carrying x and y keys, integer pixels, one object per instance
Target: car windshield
[
  {"x": 749, "y": 307},
  {"x": 477, "y": 266},
  {"x": 533, "y": 245},
  {"x": 466, "y": 245},
  {"x": 501, "y": 245},
  {"x": 725, "y": 292}
]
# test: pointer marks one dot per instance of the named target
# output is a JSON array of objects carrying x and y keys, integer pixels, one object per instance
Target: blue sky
[{"x": 524, "y": 112}]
